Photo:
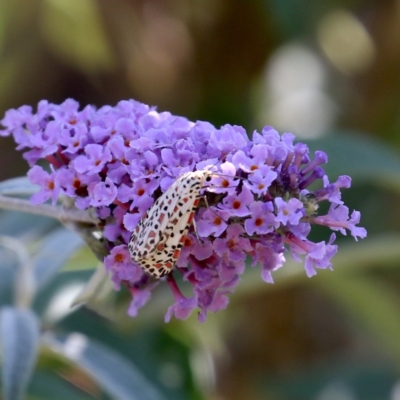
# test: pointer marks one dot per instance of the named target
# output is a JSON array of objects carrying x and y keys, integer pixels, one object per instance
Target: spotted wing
[
  {"x": 148, "y": 232},
  {"x": 162, "y": 259}
]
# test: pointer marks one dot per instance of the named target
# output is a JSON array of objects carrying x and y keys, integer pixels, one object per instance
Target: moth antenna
[
  {"x": 235, "y": 148},
  {"x": 229, "y": 176}
]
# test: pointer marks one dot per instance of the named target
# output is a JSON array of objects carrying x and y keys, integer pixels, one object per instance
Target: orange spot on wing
[{"x": 176, "y": 254}]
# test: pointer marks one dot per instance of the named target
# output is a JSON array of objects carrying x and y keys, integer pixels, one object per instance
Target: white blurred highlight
[
  {"x": 60, "y": 305},
  {"x": 294, "y": 99},
  {"x": 75, "y": 346},
  {"x": 203, "y": 368},
  {"x": 336, "y": 391},
  {"x": 395, "y": 393},
  {"x": 345, "y": 42}
]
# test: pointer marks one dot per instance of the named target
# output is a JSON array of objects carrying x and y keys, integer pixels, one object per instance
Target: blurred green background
[{"x": 328, "y": 71}]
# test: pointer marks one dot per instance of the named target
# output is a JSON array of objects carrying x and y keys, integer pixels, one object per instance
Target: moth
[{"x": 157, "y": 241}]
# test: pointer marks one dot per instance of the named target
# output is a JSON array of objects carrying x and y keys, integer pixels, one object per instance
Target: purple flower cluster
[{"x": 119, "y": 160}]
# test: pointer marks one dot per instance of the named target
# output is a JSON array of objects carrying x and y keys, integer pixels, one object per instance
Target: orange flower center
[
  {"x": 259, "y": 221},
  {"x": 236, "y": 204},
  {"x": 119, "y": 258},
  {"x": 225, "y": 183},
  {"x": 217, "y": 221},
  {"x": 77, "y": 183}
]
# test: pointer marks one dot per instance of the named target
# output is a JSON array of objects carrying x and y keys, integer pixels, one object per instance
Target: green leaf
[
  {"x": 97, "y": 288},
  {"x": 8, "y": 272},
  {"x": 359, "y": 156},
  {"x": 19, "y": 332},
  {"x": 25, "y": 225},
  {"x": 120, "y": 378},
  {"x": 25, "y": 286},
  {"x": 56, "y": 249},
  {"x": 18, "y": 186},
  {"x": 47, "y": 384},
  {"x": 373, "y": 303},
  {"x": 353, "y": 257},
  {"x": 83, "y": 259}
]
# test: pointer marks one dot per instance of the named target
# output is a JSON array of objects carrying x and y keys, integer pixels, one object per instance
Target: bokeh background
[{"x": 327, "y": 71}]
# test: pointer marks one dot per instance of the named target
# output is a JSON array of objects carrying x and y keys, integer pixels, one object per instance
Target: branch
[{"x": 57, "y": 212}]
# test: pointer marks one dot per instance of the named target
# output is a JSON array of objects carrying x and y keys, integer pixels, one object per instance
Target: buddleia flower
[{"x": 115, "y": 162}]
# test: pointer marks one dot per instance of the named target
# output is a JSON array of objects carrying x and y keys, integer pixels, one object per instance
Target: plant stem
[{"x": 57, "y": 212}]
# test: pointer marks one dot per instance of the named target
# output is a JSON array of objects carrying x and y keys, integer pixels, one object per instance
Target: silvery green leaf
[
  {"x": 360, "y": 156},
  {"x": 56, "y": 249},
  {"x": 19, "y": 334},
  {"x": 24, "y": 225},
  {"x": 118, "y": 376},
  {"x": 8, "y": 272},
  {"x": 98, "y": 287},
  {"x": 18, "y": 186},
  {"x": 25, "y": 285}
]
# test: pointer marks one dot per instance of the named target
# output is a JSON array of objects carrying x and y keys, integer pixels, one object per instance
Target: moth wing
[
  {"x": 148, "y": 232},
  {"x": 162, "y": 260}
]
